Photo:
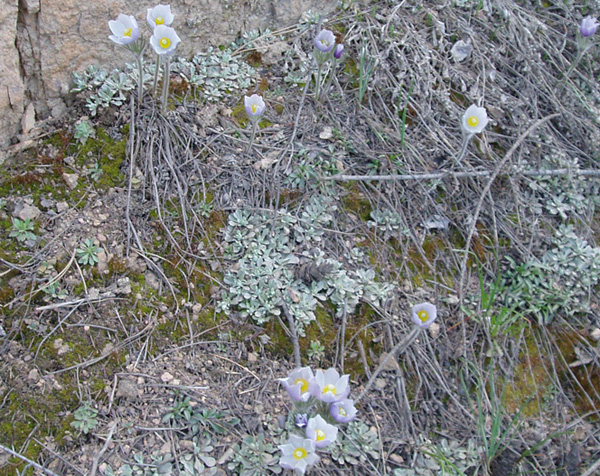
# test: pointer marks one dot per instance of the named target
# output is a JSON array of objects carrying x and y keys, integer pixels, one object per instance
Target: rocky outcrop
[
  {"x": 46, "y": 40},
  {"x": 12, "y": 88}
]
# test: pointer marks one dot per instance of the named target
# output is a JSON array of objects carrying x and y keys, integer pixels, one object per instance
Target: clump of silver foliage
[{"x": 278, "y": 261}]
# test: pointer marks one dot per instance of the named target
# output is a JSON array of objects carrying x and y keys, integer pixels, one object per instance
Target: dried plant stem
[
  {"x": 113, "y": 427},
  {"x": 398, "y": 349},
  {"x": 166, "y": 77},
  {"x": 469, "y": 174},
  {"x": 27, "y": 460},
  {"x": 592, "y": 469}
]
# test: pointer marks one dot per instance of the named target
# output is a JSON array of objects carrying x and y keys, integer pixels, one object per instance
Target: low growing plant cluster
[
  {"x": 216, "y": 73},
  {"x": 446, "y": 457},
  {"x": 270, "y": 249},
  {"x": 560, "y": 281}
]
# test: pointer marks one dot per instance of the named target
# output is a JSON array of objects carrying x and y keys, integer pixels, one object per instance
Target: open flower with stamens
[
  {"x": 164, "y": 40},
  {"x": 298, "y": 454},
  {"x": 424, "y": 314},
  {"x": 588, "y": 27},
  {"x": 324, "y": 41},
  {"x": 321, "y": 432},
  {"x": 124, "y": 30},
  {"x": 343, "y": 411},
  {"x": 298, "y": 383},
  {"x": 474, "y": 120},
  {"x": 159, "y": 15},
  {"x": 329, "y": 387},
  {"x": 254, "y": 105}
]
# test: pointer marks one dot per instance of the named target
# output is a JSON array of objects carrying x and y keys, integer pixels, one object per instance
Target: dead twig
[
  {"x": 111, "y": 431},
  {"x": 398, "y": 348},
  {"x": 27, "y": 460},
  {"x": 466, "y": 174}
]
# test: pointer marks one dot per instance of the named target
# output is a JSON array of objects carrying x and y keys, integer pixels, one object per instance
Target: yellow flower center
[
  {"x": 320, "y": 435},
  {"x": 324, "y": 42},
  {"x": 165, "y": 43},
  {"x": 473, "y": 121},
  {"x": 254, "y": 107},
  {"x": 127, "y": 32},
  {"x": 159, "y": 20},
  {"x": 341, "y": 411},
  {"x": 423, "y": 314},
  {"x": 299, "y": 453},
  {"x": 330, "y": 388},
  {"x": 303, "y": 383}
]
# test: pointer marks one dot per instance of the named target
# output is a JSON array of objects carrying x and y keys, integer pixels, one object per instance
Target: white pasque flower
[
  {"x": 124, "y": 30},
  {"x": 159, "y": 15},
  {"x": 329, "y": 387},
  {"x": 474, "y": 119},
  {"x": 298, "y": 383},
  {"x": 588, "y": 26},
  {"x": 298, "y": 454},
  {"x": 424, "y": 314},
  {"x": 164, "y": 40},
  {"x": 321, "y": 432},
  {"x": 255, "y": 106},
  {"x": 324, "y": 41},
  {"x": 343, "y": 411}
]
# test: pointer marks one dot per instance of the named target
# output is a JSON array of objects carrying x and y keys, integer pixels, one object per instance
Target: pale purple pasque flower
[
  {"x": 301, "y": 420},
  {"x": 124, "y": 30},
  {"x": 321, "y": 432},
  {"x": 159, "y": 15},
  {"x": 474, "y": 119},
  {"x": 298, "y": 383},
  {"x": 339, "y": 50},
  {"x": 329, "y": 387},
  {"x": 588, "y": 27},
  {"x": 324, "y": 41},
  {"x": 164, "y": 40},
  {"x": 255, "y": 107},
  {"x": 298, "y": 454},
  {"x": 424, "y": 314},
  {"x": 343, "y": 411}
]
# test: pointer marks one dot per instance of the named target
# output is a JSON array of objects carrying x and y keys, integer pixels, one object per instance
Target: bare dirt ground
[{"x": 155, "y": 346}]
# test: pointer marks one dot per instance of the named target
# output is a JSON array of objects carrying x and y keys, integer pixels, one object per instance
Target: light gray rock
[
  {"x": 12, "y": 92},
  {"x": 25, "y": 211},
  {"x": 70, "y": 180},
  {"x": 127, "y": 389},
  {"x": 28, "y": 120}
]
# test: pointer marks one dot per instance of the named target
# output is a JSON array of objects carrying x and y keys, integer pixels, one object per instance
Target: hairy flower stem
[
  {"x": 167, "y": 76},
  {"x": 140, "y": 65},
  {"x": 252, "y": 134},
  {"x": 463, "y": 150},
  {"x": 582, "y": 50},
  {"x": 318, "y": 81},
  {"x": 156, "y": 70},
  {"x": 399, "y": 348},
  {"x": 330, "y": 77}
]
